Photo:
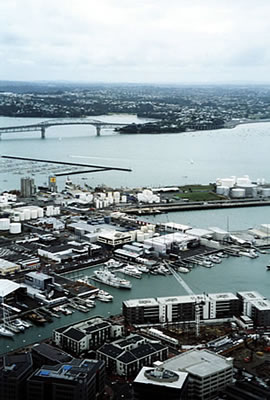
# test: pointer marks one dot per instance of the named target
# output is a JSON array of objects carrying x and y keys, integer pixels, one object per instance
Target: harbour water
[
  {"x": 174, "y": 159},
  {"x": 157, "y": 160}
]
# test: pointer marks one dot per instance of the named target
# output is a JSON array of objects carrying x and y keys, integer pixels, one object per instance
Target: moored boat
[
  {"x": 5, "y": 332},
  {"x": 108, "y": 278}
]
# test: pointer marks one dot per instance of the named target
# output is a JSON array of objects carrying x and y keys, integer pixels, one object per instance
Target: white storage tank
[
  {"x": 49, "y": 211},
  {"x": 40, "y": 213},
  {"x": 15, "y": 228},
  {"x": 151, "y": 233},
  {"x": 124, "y": 199},
  {"x": 221, "y": 190},
  {"x": 27, "y": 214},
  {"x": 140, "y": 236},
  {"x": 133, "y": 235},
  {"x": 16, "y": 218},
  {"x": 34, "y": 213},
  {"x": 21, "y": 215},
  {"x": 238, "y": 193},
  {"x": 266, "y": 192},
  {"x": 4, "y": 224},
  {"x": 57, "y": 209}
]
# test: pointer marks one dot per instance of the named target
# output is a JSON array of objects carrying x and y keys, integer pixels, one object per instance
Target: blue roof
[
  {"x": 44, "y": 372},
  {"x": 67, "y": 367}
]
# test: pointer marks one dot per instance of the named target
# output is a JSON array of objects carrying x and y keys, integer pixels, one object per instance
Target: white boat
[
  {"x": 214, "y": 259},
  {"x": 131, "y": 271},
  {"x": 112, "y": 263},
  {"x": 25, "y": 323},
  {"x": 17, "y": 323},
  {"x": 142, "y": 268},
  {"x": 5, "y": 332},
  {"x": 108, "y": 278},
  {"x": 183, "y": 269},
  {"x": 90, "y": 303},
  {"x": 104, "y": 293},
  {"x": 103, "y": 298},
  {"x": 207, "y": 264}
]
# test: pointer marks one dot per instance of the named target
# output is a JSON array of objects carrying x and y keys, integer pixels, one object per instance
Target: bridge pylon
[
  {"x": 98, "y": 130},
  {"x": 43, "y": 132}
]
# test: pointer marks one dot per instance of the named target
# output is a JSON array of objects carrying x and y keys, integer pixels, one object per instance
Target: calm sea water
[
  {"x": 195, "y": 157},
  {"x": 157, "y": 160}
]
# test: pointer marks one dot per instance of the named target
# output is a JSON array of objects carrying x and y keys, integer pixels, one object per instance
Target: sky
[{"x": 151, "y": 41}]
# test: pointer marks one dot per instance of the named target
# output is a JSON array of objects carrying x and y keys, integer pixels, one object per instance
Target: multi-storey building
[
  {"x": 209, "y": 373},
  {"x": 14, "y": 370},
  {"x": 86, "y": 335},
  {"x": 160, "y": 384},
  {"x": 78, "y": 379},
  {"x": 181, "y": 308},
  {"x": 127, "y": 356}
]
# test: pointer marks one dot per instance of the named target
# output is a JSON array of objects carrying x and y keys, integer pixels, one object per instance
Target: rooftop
[
  {"x": 161, "y": 377},
  {"x": 201, "y": 363}
]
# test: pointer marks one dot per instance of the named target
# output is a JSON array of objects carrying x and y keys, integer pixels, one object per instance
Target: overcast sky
[{"x": 178, "y": 41}]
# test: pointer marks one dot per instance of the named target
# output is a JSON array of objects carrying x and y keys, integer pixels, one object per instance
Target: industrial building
[
  {"x": 209, "y": 373},
  {"x": 8, "y": 268},
  {"x": 39, "y": 280},
  {"x": 28, "y": 188}
]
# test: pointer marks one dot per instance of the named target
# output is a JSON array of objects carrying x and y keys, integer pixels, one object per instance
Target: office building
[
  {"x": 209, "y": 373},
  {"x": 14, "y": 370},
  {"x": 160, "y": 384},
  {"x": 78, "y": 379}
]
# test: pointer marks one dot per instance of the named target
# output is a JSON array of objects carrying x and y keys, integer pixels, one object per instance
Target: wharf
[{"x": 180, "y": 206}]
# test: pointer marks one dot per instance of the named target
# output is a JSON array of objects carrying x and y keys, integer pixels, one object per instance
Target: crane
[{"x": 191, "y": 293}]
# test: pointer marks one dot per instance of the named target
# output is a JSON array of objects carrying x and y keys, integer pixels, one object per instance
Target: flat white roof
[
  {"x": 141, "y": 302},
  {"x": 223, "y": 296},
  {"x": 176, "y": 299},
  {"x": 200, "y": 232},
  {"x": 174, "y": 225},
  {"x": 217, "y": 229},
  {"x": 250, "y": 295},
  {"x": 7, "y": 287},
  {"x": 113, "y": 235},
  {"x": 7, "y": 264},
  {"x": 169, "y": 238},
  {"x": 262, "y": 305},
  {"x": 141, "y": 378},
  {"x": 200, "y": 363}
]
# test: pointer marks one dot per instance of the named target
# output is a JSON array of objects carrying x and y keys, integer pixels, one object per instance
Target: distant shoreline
[{"x": 233, "y": 124}]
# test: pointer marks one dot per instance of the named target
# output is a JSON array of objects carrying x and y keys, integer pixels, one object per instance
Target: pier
[{"x": 150, "y": 209}]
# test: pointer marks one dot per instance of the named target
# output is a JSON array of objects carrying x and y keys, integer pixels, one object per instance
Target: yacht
[
  {"x": 143, "y": 268},
  {"x": 214, "y": 259},
  {"x": 207, "y": 264},
  {"x": 131, "y": 271},
  {"x": 5, "y": 332},
  {"x": 108, "y": 278},
  {"x": 183, "y": 270},
  {"x": 112, "y": 263}
]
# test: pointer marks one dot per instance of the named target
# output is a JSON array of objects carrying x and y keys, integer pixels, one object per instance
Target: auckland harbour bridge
[{"x": 41, "y": 127}]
